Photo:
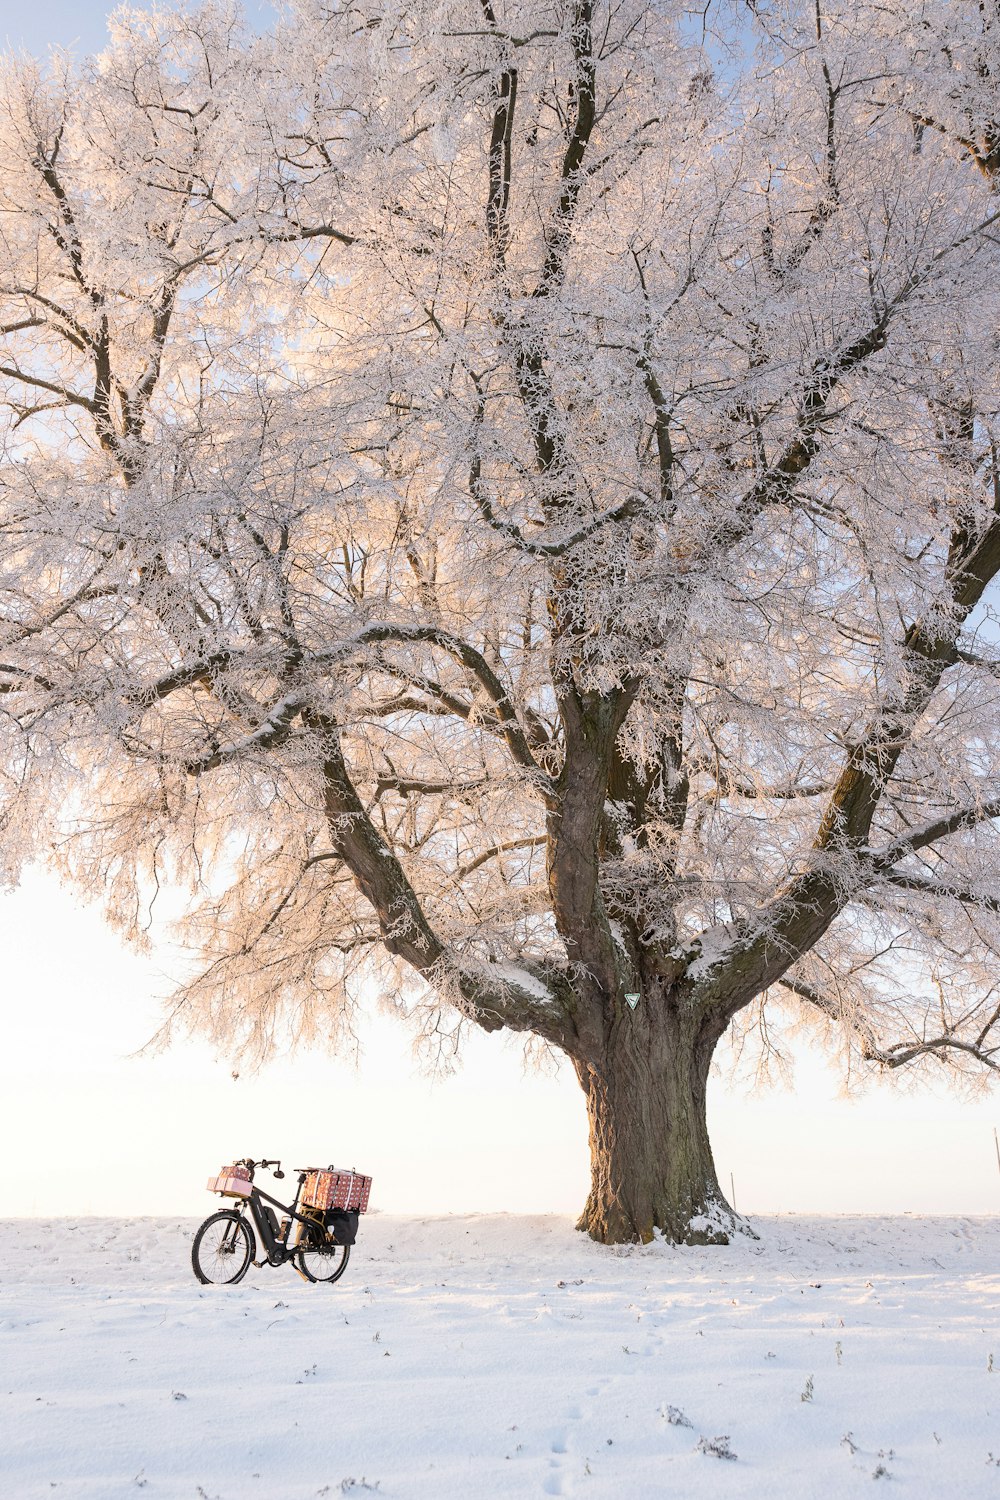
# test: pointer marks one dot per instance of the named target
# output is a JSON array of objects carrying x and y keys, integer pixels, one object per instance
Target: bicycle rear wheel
[
  {"x": 222, "y": 1249},
  {"x": 323, "y": 1262}
]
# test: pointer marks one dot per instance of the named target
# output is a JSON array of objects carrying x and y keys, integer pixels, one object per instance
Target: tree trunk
[{"x": 651, "y": 1160}]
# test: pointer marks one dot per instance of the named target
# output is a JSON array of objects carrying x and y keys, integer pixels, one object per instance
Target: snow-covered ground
[{"x": 504, "y": 1356}]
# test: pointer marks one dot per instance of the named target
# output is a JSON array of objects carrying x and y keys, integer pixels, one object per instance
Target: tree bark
[{"x": 651, "y": 1159}]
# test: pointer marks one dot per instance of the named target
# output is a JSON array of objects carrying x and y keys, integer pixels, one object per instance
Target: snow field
[{"x": 498, "y": 1355}]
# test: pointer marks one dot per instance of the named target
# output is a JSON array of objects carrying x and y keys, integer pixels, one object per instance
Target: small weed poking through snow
[
  {"x": 675, "y": 1416},
  {"x": 716, "y": 1447},
  {"x": 881, "y": 1470},
  {"x": 348, "y": 1486},
  {"x": 807, "y": 1393}
]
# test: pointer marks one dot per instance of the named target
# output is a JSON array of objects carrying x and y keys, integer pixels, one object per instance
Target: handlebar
[{"x": 252, "y": 1165}]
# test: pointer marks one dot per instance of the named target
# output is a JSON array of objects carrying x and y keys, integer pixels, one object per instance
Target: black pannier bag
[{"x": 341, "y": 1225}]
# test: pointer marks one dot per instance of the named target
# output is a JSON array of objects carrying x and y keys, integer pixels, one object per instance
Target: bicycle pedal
[{"x": 259, "y": 1265}]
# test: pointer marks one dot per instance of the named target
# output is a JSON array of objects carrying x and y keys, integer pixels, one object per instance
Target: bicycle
[{"x": 315, "y": 1235}]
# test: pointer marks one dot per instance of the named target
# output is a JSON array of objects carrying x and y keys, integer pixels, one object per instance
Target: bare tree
[{"x": 505, "y": 496}]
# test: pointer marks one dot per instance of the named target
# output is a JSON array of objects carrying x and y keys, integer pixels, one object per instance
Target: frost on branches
[{"x": 508, "y": 493}]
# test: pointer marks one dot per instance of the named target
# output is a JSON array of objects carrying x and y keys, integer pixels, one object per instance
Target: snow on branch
[
  {"x": 934, "y": 832},
  {"x": 272, "y": 731},
  {"x": 982, "y": 1046},
  {"x": 278, "y": 373},
  {"x": 941, "y": 891}
]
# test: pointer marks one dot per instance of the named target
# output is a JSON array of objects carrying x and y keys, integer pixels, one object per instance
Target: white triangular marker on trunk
[{"x": 632, "y": 1001}]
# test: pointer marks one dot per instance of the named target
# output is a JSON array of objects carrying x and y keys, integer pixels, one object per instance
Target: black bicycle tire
[
  {"x": 300, "y": 1262},
  {"x": 235, "y": 1217}
]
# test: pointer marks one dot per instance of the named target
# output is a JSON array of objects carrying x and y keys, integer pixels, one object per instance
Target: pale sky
[
  {"x": 77, "y": 24},
  {"x": 89, "y": 1128}
]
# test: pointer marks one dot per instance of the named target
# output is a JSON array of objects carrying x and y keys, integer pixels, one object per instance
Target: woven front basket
[{"x": 337, "y": 1188}]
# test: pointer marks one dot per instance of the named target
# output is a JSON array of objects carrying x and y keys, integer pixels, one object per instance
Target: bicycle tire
[
  {"x": 211, "y": 1250},
  {"x": 313, "y": 1263}
]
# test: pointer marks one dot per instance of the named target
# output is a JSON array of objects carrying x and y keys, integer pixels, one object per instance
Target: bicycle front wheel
[
  {"x": 222, "y": 1249},
  {"x": 326, "y": 1263}
]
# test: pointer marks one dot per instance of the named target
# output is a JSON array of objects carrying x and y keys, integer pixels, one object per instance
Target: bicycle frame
[{"x": 276, "y": 1248}]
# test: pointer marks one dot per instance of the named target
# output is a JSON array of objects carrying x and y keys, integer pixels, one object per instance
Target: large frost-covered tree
[{"x": 508, "y": 492}]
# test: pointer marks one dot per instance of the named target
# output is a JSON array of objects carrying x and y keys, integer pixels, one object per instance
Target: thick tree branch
[
  {"x": 928, "y": 648},
  {"x": 581, "y": 118},
  {"x": 939, "y": 891},
  {"x": 499, "y": 157},
  {"x": 70, "y": 397},
  {"x": 414, "y": 785},
  {"x": 469, "y": 657},
  {"x": 495, "y": 1001},
  {"x": 507, "y": 847},
  {"x": 273, "y": 731},
  {"x": 829, "y": 200},
  {"x": 932, "y": 833},
  {"x": 591, "y": 723}
]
